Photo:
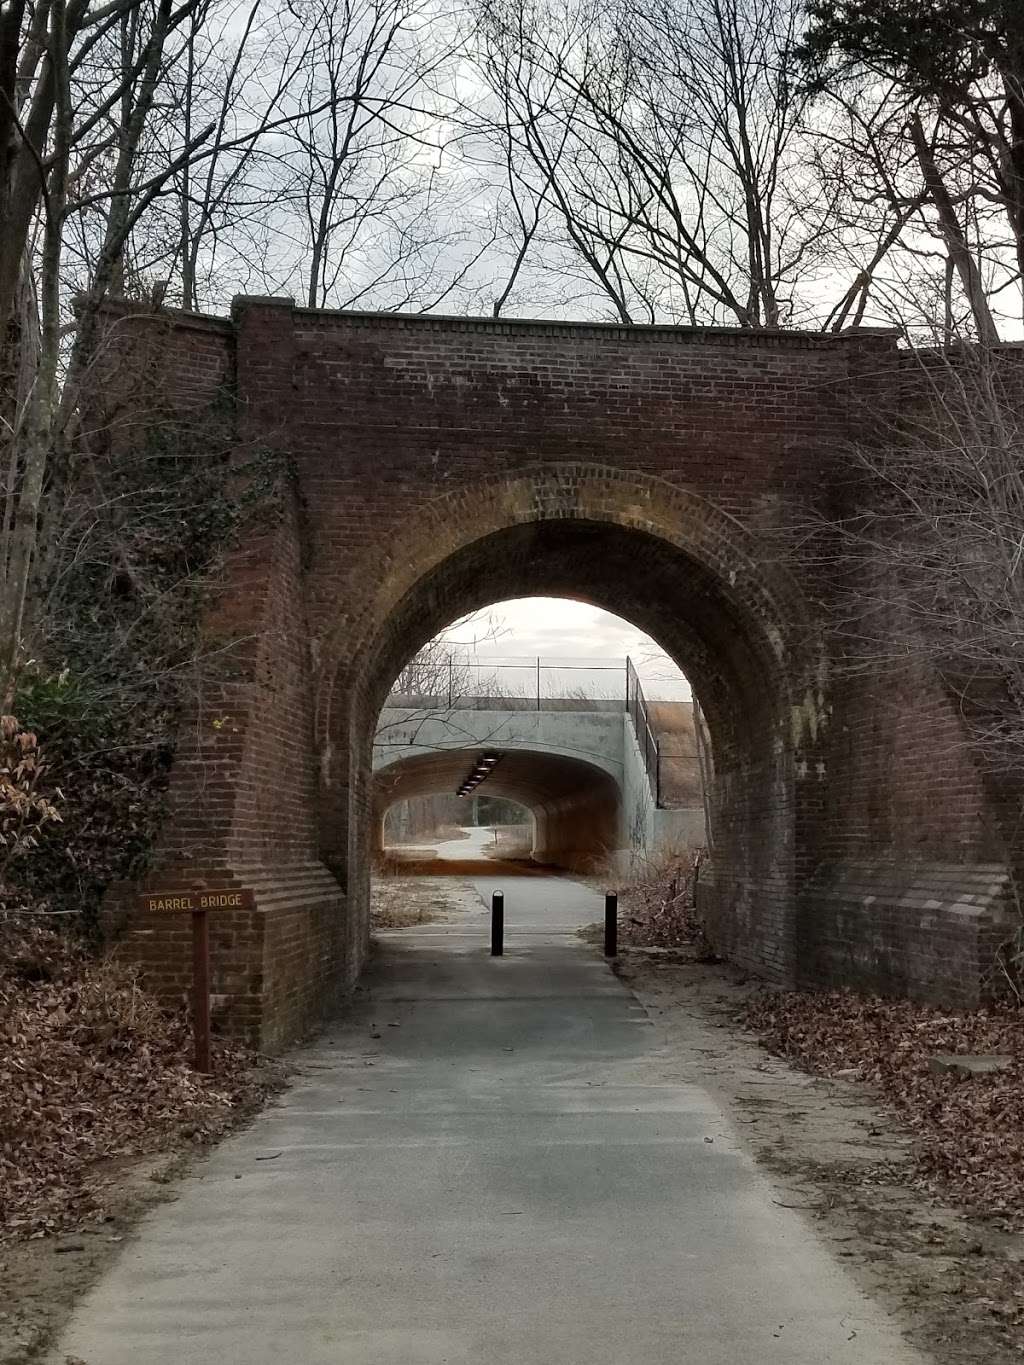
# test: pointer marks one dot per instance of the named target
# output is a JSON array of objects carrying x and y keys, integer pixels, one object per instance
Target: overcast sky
[{"x": 557, "y": 628}]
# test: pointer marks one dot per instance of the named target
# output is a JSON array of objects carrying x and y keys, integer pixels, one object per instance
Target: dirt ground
[
  {"x": 953, "y": 1281},
  {"x": 41, "y": 1279},
  {"x": 400, "y": 902}
]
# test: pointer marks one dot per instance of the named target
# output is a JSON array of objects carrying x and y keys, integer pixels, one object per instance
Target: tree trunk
[{"x": 956, "y": 242}]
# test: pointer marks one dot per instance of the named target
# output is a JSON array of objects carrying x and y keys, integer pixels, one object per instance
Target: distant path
[
  {"x": 486, "y": 1163},
  {"x": 473, "y": 844},
  {"x": 468, "y": 856}
]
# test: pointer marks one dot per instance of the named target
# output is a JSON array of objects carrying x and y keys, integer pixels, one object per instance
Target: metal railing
[
  {"x": 519, "y": 683},
  {"x": 523, "y": 682},
  {"x": 647, "y": 740}
]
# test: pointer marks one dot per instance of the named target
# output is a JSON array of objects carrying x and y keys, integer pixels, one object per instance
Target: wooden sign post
[
  {"x": 198, "y": 904},
  {"x": 201, "y": 990}
]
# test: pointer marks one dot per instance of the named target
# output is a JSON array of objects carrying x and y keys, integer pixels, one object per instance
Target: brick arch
[
  {"x": 571, "y": 491},
  {"x": 666, "y": 559},
  {"x": 435, "y": 462}
]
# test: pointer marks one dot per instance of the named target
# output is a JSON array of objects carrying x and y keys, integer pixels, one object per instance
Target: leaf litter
[
  {"x": 968, "y": 1131},
  {"x": 93, "y": 1072}
]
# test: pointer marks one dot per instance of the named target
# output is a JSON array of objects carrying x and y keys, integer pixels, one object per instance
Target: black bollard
[
  {"x": 497, "y": 924},
  {"x": 611, "y": 924}
]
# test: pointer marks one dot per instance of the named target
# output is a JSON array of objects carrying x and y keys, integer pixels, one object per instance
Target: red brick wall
[
  {"x": 151, "y": 366},
  {"x": 441, "y": 465},
  {"x": 242, "y": 803}
]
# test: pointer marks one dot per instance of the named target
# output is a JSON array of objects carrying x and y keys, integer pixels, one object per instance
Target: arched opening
[
  {"x": 452, "y": 828},
  {"x": 575, "y": 806},
  {"x": 697, "y": 591}
]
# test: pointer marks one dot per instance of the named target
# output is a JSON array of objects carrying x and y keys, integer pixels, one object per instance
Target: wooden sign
[
  {"x": 198, "y": 904},
  {"x": 195, "y": 901}
]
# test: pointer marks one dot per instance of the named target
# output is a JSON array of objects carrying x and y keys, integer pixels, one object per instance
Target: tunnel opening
[
  {"x": 709, "y": 606},
  {"x": 607, "y": 776},
  {"x": 573, "y": 806},
  {"x": 410, "y": 824}
]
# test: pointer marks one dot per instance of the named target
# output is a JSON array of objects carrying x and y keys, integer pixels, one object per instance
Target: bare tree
[
  {"x": 954, "y": 88},
  {"x": 665, "y": 138},
  {"x": 363, "y": 189},
  {"x": 530, "y": 124},
  {"x": 151, "y": 148},
  {"x": 443, "y": 671},
  {"x": 224, "y": 200},
  {"x": 80, "y": 82},
  {"x": 923, "y": 568}
]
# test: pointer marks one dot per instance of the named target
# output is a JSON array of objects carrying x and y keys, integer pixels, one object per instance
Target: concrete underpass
[
  {"x": 577, "y": 769},
  {"x": 575, "y": 807}
]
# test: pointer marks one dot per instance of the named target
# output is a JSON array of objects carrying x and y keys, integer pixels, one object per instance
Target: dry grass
[
  {"x": 674, "y": 719},
  {"x": 395, "y": 904},
  {"x": 680, "y": 772},
  {"x": 511, "y": 841},
  {"x": 656, "y": 903}
]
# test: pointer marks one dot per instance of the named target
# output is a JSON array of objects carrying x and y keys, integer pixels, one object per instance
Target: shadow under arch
[
  {"x": 732, "y": 557},
  {"x": 667, "y": 560},
  {"x": 576, "y": 805}
]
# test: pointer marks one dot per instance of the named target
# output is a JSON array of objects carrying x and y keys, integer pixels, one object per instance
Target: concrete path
[
  {"x": 474, "y": 844},
  {"x": 483, "y": 1164}
]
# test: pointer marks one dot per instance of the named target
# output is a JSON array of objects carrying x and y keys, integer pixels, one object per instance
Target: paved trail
[{"x": 483, "y": 1164}]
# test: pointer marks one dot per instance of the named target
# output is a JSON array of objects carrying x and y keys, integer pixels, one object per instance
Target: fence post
[
  {"x": 497, "y": 924},
  {"x": 611, "y": 924}
]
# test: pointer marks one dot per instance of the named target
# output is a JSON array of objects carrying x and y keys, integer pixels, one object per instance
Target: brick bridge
[{"x": 439, "y": 465}]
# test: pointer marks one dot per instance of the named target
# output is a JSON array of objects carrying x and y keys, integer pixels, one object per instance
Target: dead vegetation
[
  {"x": 656, "y": 905},
  {"x": 394, "y": 904},
  {"x": 511, "y": 841},
  {"x": 968, "y": 1130},
  {"x": 93, "y": 1071},
  {"x": 679, "y": 776},
  {"x": 403, "y": 902}
]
